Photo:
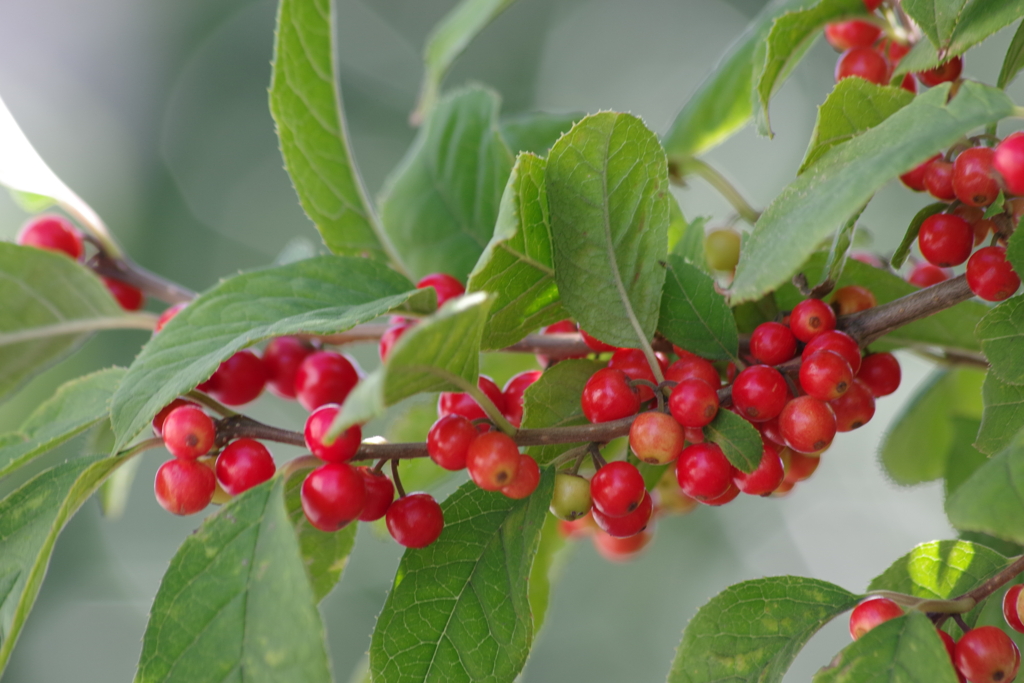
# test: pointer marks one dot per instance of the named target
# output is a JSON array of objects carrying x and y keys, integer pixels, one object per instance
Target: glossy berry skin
[
  {"x": 596, "y": 344},
  {"x": 571, "y": 498},
  {"x": 945, "y": 240},
  {"x": 926, "y": 275},
  {"x": 239, "y": 379},
  {"x": 770, "y": 430},
  {"x": 188, "y": 432},
  {"x": 158, "y": 421},
  {"x": 703, "y": 471},
  {"x": 914, "y": 178},
  {"x": 656, "y": 438},
  {"x": 772, "y": 343},
  {"x": 458, "y": 403},
  {"x": 445, "y": 285},
  {"x": 693, "y": 403},
  {"x": 166, "y": 316},
  {"x": 853, "y": 299},
  {"x": 843, "y": 35},
  {"x": 325, "y": 377},
  {"x": 990, "y": 276},
  {"x": 730, "y": 495},
  {"x": 617, "y": 489},
  {"x": 865, "y": 63},
  {"x": 950, "y": 644},
  {"x": 766, "y": 478},
  {"x": 242, "y": 464},
  {"x": 415, "y": 521},
  {"x": 380, "y": 491},
  {"x": 938, "y": 180},
  {"x": 492, "y": 460},
  {"x": 448, "y": 441},
  {"x": 855, "y": 408},
  {"x": 974, "y": 180},
  {"x": 807, "y": 424},
  {"x": 391, "y": 337},
  {"x": 620, "y": 549},
  {"x": 825, "y": 375},
  {"x": 1009, "y": 162},
  {"x": 987, "y": 655},
  {"x": 722, "y": 249},
  {"x": 943, "y": 73},
  {"x": 513, "y": 395},
  {"x": 759, "y": 393},
  {"x": 1013, "y": 605},
  {"x": 607, "y": 396},
  {"x": 53, "y": 233},
  {"x": 799, "y": 467},
  {"x": 634, "y": 363},
  {"x": 629, "y": 524},
  {"x": 128, "y": 297},
  {"x": 695, "y": 368},
  {"x": 184, "y": 487},
  {"x": 838, "y": 342},
  {"x": 526, "y": 479},
  {"x": 333, "y": 495},
  {"x": 810, "y": 318},
  {"x": 870, "y": 614},
  {"x": 317, "y": 425},
  {"x": 880, "y": 372},
  {"x": 281, "y": 360}
]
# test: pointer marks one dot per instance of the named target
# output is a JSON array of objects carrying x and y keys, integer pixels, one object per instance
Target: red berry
[
  {"x": 1009, "y": 162},
  {"x": 871, "y": 613},
  {"x": 825, "y": 375},
  {"x": 760, "y": 393},
  {"x": 391, "y": 337},
  {"x": 617, "y": 489},
  {"x": 53, "y": 233},
  {"x": 513, "y": 395},
  {"x": 914, "y": 178},
  {"x": 766, "y": 478},
  {"x": 987, "y": 655},
  {"x": 974, "y": 180},
  {"x": 281, "y": 360},
  {"x": 526, "y": 479},
  {"x": 130, "y": 298},
  {"x": 693, "y": 368},
  {"x": 379, "y": 494},
  {"x": 325, "y": 377},
  {"x": 772, "y": 343},
  {"x": 880, "y": 372},
  {"x": 730, "y": 495},
  {"x": 853, "y": 299},
  {"x": 608, "y": 396},
  {"x": 317, "y": 425},
  {"x": 843, "y": 35},
  {"x": 810, "y": 318},
  {"x": 596, "y": 344},
  {"x": 807, "y": 424},
  {"x": 243, "y": 464},
  {"x": 445, "y": 285},
  {"x": 945, "y": 240},
  {"x": 855, "y": 408},
  {"x": 184, "y": 487},
  {"x": 865, "y": 63},
  {"x": 703, "y": 471},
  {"x": 837, "y": 342},
  {"x": 938, "y": 180},
  {"x": 492, "y": 460},
  {"x": 561, "y": 327},
  {"x": 799, "y": 467},
  {"x": 1013, "y": 605},
  {"x": 616, "y": 549},
  {"x": 943, "y": 73},
  {"x": 239, "y": 379},
  {"x": 634, "y": 363},
  {"x": 158, "y": 421},
  {"x": 415, "y": 521},
  {"x": 990, "y": 276},
  {"x": 577, "y": 528},
  {"x": 770, "y": 430},
  {"x": 188, "y": 432},
  {"x": 333, "y": 495},
  {"x": 926, "y": 275},
  {"x": 872, "y": 5},
  {"x": 693, "y": 403},
  {"x": 656, "y": 438},
  {"x": 909, "y": 83},
  {"x": 166, "y": 316},
  {"x": 950, "y": 644},
  {"x": 448, "y": 441},
  {"x": 629, "y": 524},
  {"x": 457, "y": 403}
]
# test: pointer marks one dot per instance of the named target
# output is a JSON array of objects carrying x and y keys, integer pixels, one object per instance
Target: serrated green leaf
[
  {"x": 1013, "y": 62},
  {"x": 1004, "y": 414},
  {"x": 554, "y": 401},
  {"x": 903, "y": 650},
  {"x": 899, "y": 257},
  {"x": 940, "y": 570},
  {"x": 752, "y": 631},
  {"x": 537, "y": 131},
  {"x": 853, "y": 107},
  {"x": 790, "y": 37},
  {"x": 31, "y": 518},
  {"x": 74, "y": 407},
  {"x": 607, "y": 185},
  {"x": 846, "y": 177},
  {"x": 440, "y": 203},
  {"x": 963, "y": 458},
  {"x": 546, "y": 566},
  {"x": 517, "y": 265},
  {"x": 992, "y": 499},
  {"x": 323, "y": 295},
  {"x": 441, "y": 353},
  {"x": 686, "y": 239},
  {"x": 305, "y": 102},
  {"x": 738, "y": 439},
  {"x": 459, "y": 609},
  {"x": 236, "y": 601},
  {"x": 952, "y": 26},
  {"x": 1001, "y": 333},
  {"x": 324, "y": 554},
  {"x": 694, "y": 316}
]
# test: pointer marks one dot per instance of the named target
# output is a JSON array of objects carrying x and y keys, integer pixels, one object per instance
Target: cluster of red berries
[
  {"x": 869, "y": 53},
  {"x": 985, "y": 654},
  {"x": 972, "y": 179},
  {"x": 56, "y": 233}
]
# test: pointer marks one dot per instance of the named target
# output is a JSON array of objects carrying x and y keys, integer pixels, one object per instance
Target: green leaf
[
  {"x": 440, "y": 203},
  {"x": 31, "y": 518},
  {"x": 694, "y": 316},
  {"x": 305, "y": 102},
  {"x": 752, "y": 313},
  {"x": 30, "y": 202},
  {"x": 997, "y": 206},
  {"x": 902, "y": 650},
  {"x": 952, "y": 26},
  {"x": 236, "y": 601},
  {"x": 74, "y": 407},
  {"x": 516, "y": 266},
  {"x": 48, "y": 306},
  {"x": 546, "y": 567},
  {"x": 1001, "y": 333},
  {"x": 441, "y": 353},
  {"x": 459, "y": 609},
  {"x": 899, "y": 257},
  {"x": 1003, "y": 416},
  {"x": 940, "y": 570},
  {"x": 838, "y": 253},
  {"x": 607, "y": 185},
  {"x": 1014, "y": 60},
  {"x": 738, "y": 439},
  {"x": 537, "y": 131},
  {"x": 554, "y": 401},
  {"x": 324, "y": 554},
  {"x": 447, "y": 40},
  {"x": 963, "y": 458},
  {"x": 846, "y": 177},
  {"x": 686, "y": 239},
  {"x": 992, "y": 499},
  {"x": 322, "y": 295},
  {"x": 853, "y": 107},
  {"x": 1015, "y": 250},
  {"x": 790, "y": 37},
  {"x": 752, "y": 631}
]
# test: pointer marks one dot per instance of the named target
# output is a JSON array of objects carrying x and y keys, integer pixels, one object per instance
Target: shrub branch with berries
[{"x": 675, "y": 368}]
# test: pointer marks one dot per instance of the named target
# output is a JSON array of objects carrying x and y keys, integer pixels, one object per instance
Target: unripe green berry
[
  {"x": 571, "y": 499},
  {"x": 722, "y": 249}
]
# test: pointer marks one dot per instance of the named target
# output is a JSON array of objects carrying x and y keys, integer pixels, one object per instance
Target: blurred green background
[{"x": 156, "y": 113}]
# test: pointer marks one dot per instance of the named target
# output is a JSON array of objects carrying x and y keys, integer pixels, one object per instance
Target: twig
[
  {"x": 869, "y": 325},
  {"x": 679, "y": 170}
]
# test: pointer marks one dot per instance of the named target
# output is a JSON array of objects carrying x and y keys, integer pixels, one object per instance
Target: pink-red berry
[
  {"x": 759, "y": 393},
  {"x": 448, "y": 441},
  {"x": 325, "y": 377},
  {"x": 772, "y": 343},
  {"x": 526, "y": 481},
  {"x": 990, "y": 275},
  {"x": 945, "y": 240},
  {"x": 880, "y": 372},
  {"x": 1009, "y": 162},
  {"x": 238, "y": 380},
  {"x": 987, "y": 655},
  {"x": 53, "y": 233},
  {"x": 810, "y": 318},
  {"x": 281, "y": 361},
  {"x": 870, "y": 614},
  {"x": 656, "y": 438},
  {"x": 513, "y": 395},
  {"x": 184, "y": 487},
  {"x": 492, "y": 460},
  {"x": 807, "y": 424},
  {"x": 693, "y": 403},
  {"x": 333, "y": 495},
  {"x": 445, "y": 285},
  {"x": 617, "y": 489},
  {"x": 318, "y": 424},
  {"x": 242, "y": 464},
  {"x": 415, "y": 521},
  {"x": 380, "y": 491},
  {"x": 188, "y": 432},
  {"x": 703, "y": 471},
  {"x": 608, "y": 396}
]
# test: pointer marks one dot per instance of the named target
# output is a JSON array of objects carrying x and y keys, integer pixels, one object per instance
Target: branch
[{"x": 151, "y": 284}]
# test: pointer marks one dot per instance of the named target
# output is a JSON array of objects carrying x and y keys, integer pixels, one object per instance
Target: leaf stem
[
  {"x": 130, "y": 321},
  {"x": 681, "y": 169}
]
